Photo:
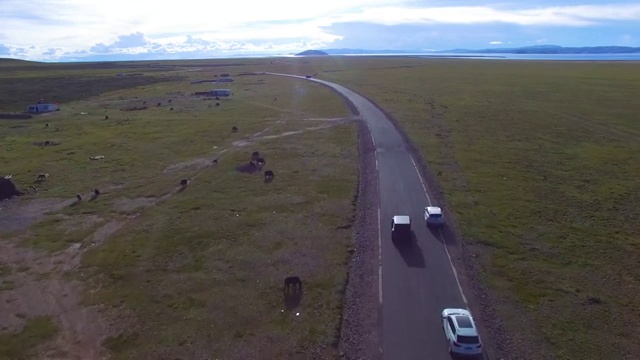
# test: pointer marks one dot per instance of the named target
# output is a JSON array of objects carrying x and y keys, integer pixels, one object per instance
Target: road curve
[{"x": 418, "y": 282}]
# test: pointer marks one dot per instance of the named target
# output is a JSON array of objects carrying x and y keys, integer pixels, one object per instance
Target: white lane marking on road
[
  {"x": 379, "y": 258},
  {"x": 455, "y": 273},
  {"x": 421, "y": 180},
  {"x": 453, "y": 268}
]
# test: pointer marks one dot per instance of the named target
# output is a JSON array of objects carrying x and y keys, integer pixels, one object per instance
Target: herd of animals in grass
[
  {"x": 292, "y": 284},
  {"x": 8, "y": 189}
]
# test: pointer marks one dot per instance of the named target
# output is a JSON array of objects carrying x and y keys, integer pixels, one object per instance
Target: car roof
[
  {"x": 464, "y": 325},
  {"x": 402, "y": 219},
  {"x": 433, "y": 210}
]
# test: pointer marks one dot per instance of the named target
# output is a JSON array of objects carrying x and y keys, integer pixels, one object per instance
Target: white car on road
[
  {"x": 401, "y": 228},
  {"x": 433, "y": 216},
  {"x": 461, "y": 332}
]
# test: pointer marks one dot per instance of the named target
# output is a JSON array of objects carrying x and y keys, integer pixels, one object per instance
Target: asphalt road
[{"x": 418, "y": 281}]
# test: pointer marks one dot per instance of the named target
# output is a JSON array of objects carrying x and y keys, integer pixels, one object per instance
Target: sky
[{"x": 72, "y": 30}]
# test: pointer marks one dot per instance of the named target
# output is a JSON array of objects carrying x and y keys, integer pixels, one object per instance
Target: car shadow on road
[
  {"x": 410, "y": 251},
  {"x": 443, "y": 234},
  {"x": 468, "y": 357}
]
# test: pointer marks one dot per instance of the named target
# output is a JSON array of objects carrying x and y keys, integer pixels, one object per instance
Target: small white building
[{"x": 42, "y": 108}]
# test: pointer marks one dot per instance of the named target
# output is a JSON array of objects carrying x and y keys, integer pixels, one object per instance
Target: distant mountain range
[
  {"x": 536, "y": 49},
  {"x": 553, "y": 49}
]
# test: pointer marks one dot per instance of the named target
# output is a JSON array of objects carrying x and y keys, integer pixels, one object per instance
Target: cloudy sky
[{"x": 57, "y": 30}]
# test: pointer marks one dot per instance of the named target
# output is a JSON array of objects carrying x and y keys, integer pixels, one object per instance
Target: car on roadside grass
[
  {"x": 461, "y": 332},
  {"x": 401, "y": 228},
  {"x": 433, "y": 216}
]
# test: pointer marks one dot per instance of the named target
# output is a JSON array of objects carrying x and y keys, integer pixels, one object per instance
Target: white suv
[
  {"x": 401, "y": 227},
  {"x": 461, "y": 332},
  {"x": 433, "y": 216}
]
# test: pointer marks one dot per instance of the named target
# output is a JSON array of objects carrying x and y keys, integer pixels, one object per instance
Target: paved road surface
[{"x": 417, "y": 282}]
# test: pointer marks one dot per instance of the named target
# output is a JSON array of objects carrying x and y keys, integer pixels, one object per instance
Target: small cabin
[
  {"x": 42, "y": 108},
  {"x": 220, "y": 92}
]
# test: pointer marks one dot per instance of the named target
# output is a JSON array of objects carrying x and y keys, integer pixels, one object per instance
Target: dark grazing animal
[
  {"x": 268, "y": 174},
  {"x": 234, "y": 129},
  {"x": 106, "y": 117},
  {"x": 215, "y": 162},
  {"x": 293, "y": 283},
  {"x": 184, "y": 182},
  {"x": 79, "y": 197},
  {"x": 96, "y": 192},
  {"x": 41, "y": 177},
  {"x": 260, "y": 161}
]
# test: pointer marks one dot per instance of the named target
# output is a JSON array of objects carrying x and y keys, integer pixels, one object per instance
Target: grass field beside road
[
  {"x": 146, "y": 270},
  {"x": 538, "y": 161}
]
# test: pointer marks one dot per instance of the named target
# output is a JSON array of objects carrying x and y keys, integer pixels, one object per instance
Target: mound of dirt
[
  {"x": 15, "y": 116},
  {"x": 46, "y": 143},
  {"x": 8, "y": 189},
  {"x": 135, "y": 108},
  {"x": 247, "y": 168}
]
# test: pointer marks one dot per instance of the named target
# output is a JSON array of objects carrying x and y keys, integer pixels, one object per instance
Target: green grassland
[
  {"x": 197, "y": 272},
  {"x": 539, "y": 162}
]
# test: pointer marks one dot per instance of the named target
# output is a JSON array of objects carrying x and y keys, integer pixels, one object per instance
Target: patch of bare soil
[
  {"x": 39, "y": 286},
  {"x": 16, "y": 215},
  {"x": 196, "y": 163},
  {"x": 129, "y": 205},
  {"x": 349, "y": 118},
  {"x": 245, "y": 142},
  {"x": 41, "y": 289},
  {"x": 205, "y": 162}
]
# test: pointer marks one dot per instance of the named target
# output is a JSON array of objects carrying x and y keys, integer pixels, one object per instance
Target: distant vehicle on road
[
  {"x": 308, "y": 76},
  {"x": 433, "y": 216},
  {"x": 461, "y": 332},
  {"x": 401, "y": 227}
]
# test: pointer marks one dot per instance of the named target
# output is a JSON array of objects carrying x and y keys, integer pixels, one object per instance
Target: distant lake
[{"x": 548, "y": 57}]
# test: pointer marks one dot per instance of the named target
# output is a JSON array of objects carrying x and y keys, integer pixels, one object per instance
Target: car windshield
[
  {"x": 435, "y": 215},
  {"x": 402, "y": 227},
  {"x": 468, "y": 339}
]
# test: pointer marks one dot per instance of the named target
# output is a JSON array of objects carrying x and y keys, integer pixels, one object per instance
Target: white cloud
[
  {"x": 36, "y": 26},
  {"x": 564, "y": 16},
  {"x": 496, "y": 43}
]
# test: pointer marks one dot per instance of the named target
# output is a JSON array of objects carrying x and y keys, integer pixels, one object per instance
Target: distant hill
[
  {"x": 312, "y": 53},
  {"x": 551, "y": 49},
  {"x": 18, "y": 62}
]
